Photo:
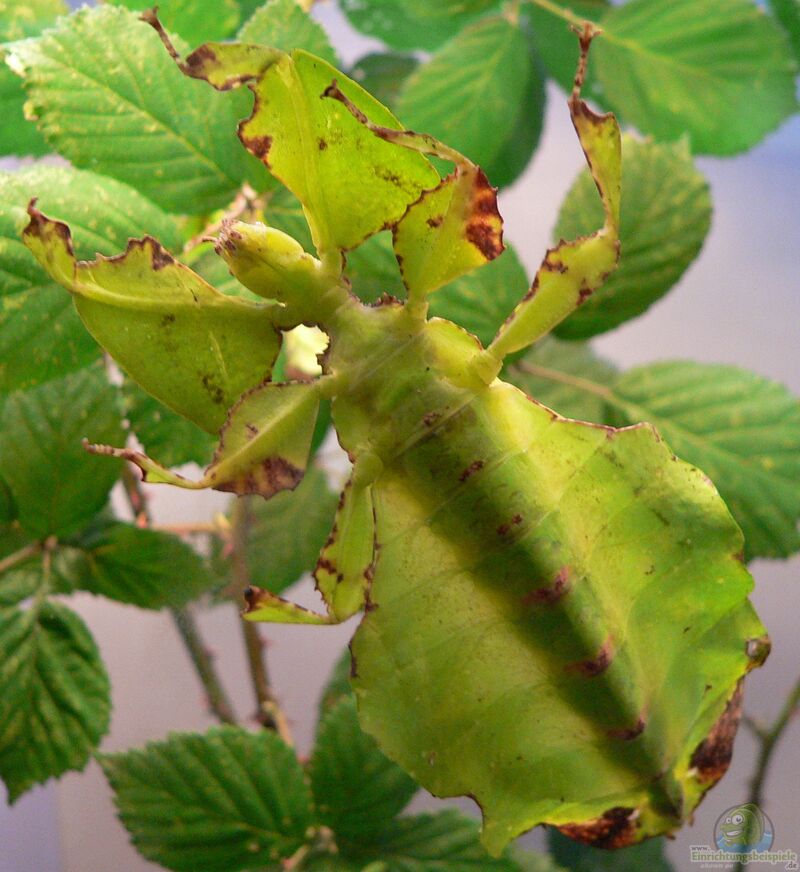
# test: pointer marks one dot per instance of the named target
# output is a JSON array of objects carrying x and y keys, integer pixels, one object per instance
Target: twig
[
  {"x": 218, "y": 700},
  {"x": 20, "y": 556},
  {"x": 769, "y": 741},
  {"x": 269, "y": 713},
  {"x": 184, "y": 621}
]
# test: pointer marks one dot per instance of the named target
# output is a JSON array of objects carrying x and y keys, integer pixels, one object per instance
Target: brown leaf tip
[
  {"x": 615, "y": 828},
  {"x": 485, "y": 226},
  {"x": 713, "y": 755},
  {"x": 266, "y": 479}
]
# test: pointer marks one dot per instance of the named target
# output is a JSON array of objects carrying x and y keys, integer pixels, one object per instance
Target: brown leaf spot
[
  {"x": 546, "y": 596},
  {"x": 596, "y": 665},
  {"x": 167, "y": 320},
  {"x": 159, "y": 256},
  {"x": 435, "y": 221},
  {"x": 584, "y": 292},
  {"x": 430, "y": 418},
  {"x": 627, "y": 734},
  {"x": 474, "y": 467},
  {"x": 552, "y": 265},
  {"x": 214, "y": 390},
  {"x": 713, "y": 755},
  {"x": 321, "y": 144},
  {"x": 615, "y": 828},
  {"x": 257, "y": 145},
  {"x": 273, "y": 475},
  {"x": 505, "y": 529}
]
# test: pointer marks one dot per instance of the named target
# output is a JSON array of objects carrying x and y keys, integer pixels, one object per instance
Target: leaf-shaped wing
[{"x": 559, "y": 620}]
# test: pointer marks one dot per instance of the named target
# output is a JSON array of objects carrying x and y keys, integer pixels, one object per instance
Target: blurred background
[{"x": 739, "y": 303}]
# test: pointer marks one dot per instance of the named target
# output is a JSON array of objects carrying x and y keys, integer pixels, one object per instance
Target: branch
[
  {"x": 269, "y": 713},
  {"x": 770, "y": 738},
  {"x": 20, "y": 556},
  {"x": 184, "y": 621}
]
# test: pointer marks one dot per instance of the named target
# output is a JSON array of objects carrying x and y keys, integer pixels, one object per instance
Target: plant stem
[
  {"x": 769, "y": 740},
  {"x": 20, "y": 556},
  {"x": 218, "y": 701},
  {"x": 268, "y": 711},
  {"x": 184, "y": 621},
  {"x": 555, "y": 9}
]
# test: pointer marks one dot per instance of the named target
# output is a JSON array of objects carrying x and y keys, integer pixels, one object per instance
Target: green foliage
[
  {"x": 192, "y": 20},
  {"x": 283, "y": 24},
  {"x": 740, "y": 429},
  {"x": 665, "y": 216},
  {"x": 41, "y": 456},
  {"x": 54, "y": 694},
  {"x": 222, "y": 801},
  {"x": 109, "y": 98},
  {"x": 471, "y": 94},
  {"x": 384, "y": 75},
  {"x": 357, "y": 789},
  {"x": 788, "y": 14},
  {"x": 126, "y": 563},
  {"x": 41, "y": 336},
  {"x": 415, "y": 24},
  {"x": 575, "y": 857},
  {"x": 668, "y": 84}
]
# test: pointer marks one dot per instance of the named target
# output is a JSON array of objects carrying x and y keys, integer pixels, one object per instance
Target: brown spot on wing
[
  {"x": 474, "y": 467},
  {"x": 713, "y": 755},
  {"x": 268, "y": 478},
  {"x": 484, "y": 228},
  {"x": 257, "y": 145},
  {"x": 505, "y": 529},
  {"x": 627, "y": 734},
  {"x": 552, "y": 593},
  {"x": 596, "y": 665},
  {"x": 615, "y": 828}
]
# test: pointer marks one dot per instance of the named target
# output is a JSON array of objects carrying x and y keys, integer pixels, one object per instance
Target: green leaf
[
  {"x": 203, "y": 350},
  {"x": 384, "y": 74},
  {"x": 372, "y": 269},
  {"x": 444, "y": 842},
  {"x": 788, "y": 14},
  {"x": 165, "y": 435},
  {"x": 555, "y": 40},
  {"x": 225, "y": 801},
  {"x": 742, "y": 430},
  {"x": 109, "y": 97},
  {"x": 283, "y": 24},
  {"x": 514, "y": 156},
  {"x": 582, "y": 591},
  {"x": 41, "y": 336},
  {"x": 470, "y": 94},
  {"x": 19, "y": 584},
  {"x": 338, "y": 686},
  {"x": 665, "y": 217},
  {"x": 414, "y": 24},
  {"x": 23, "y": 19},
  {"x": 718, "y": 70},
  {"x": 481, "y": 301},
  {"x": 288, "y": 532},
  {"x": 581, "y": 858},
  {"x": 357, "y": 790},
  {"x": 557, "y": 374},
  {"x": 123, "y": 562},
  {"x": 54, "y": 695},
  {"x": 56, "y": 485},
  {"x": 195, "y": 20}
]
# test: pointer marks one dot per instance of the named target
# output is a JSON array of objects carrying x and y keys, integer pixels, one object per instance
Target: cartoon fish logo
[{"x": 744, "y": 828}]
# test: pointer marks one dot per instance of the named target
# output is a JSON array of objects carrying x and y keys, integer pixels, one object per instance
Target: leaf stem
[
  {"x": 218, "y": 701},
  {"x": 184, "y": 621},
  {"x": 565, "y": 379},
  {"x": 770, "y": 738},
  {"x": 555, "y": 9},
  {"x": 12, "y": 560},
  {"x": 269, "y": 713}
]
